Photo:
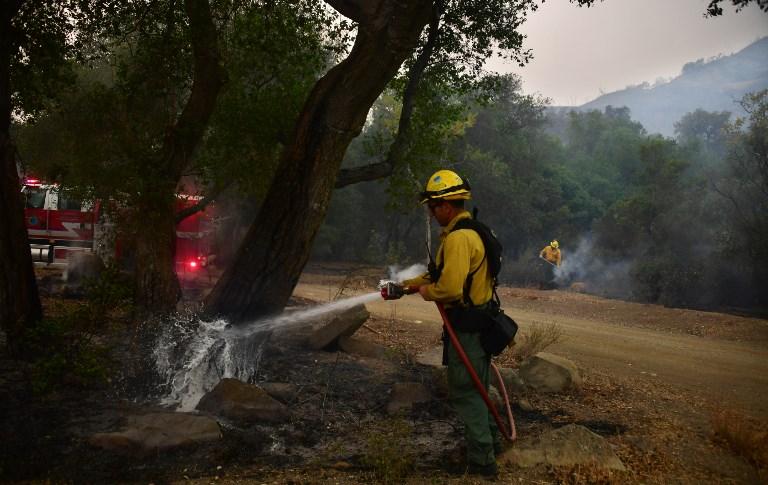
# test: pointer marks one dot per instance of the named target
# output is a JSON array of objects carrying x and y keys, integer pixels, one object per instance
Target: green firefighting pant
[{"x": 480, "y": 430}]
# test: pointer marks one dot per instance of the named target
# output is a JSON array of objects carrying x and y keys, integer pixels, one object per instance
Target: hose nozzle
[
  {"x": 394, "y": 291},
  {"x": 391, "y": 290}
]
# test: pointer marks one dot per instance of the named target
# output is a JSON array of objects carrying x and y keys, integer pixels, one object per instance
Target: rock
[
  {"x": 281, "y": 391},
  {"x": 157, "y": 432},
  {"x": 243, "y": 402},
  {"x": 406, "y": 394},
  {"x": 512, "y": 381},
  {"x": 546, "y": 372},
  {"x": 496, "y": 399},
  {"x": 566, "y": 446},
  {"x": 525, "y": 405},
  {"x": 432, "y": 357},
  {"x": 579, "y": 287},
  {"x": 363, "y": 348},
  {"x": 343, "y": 325}
]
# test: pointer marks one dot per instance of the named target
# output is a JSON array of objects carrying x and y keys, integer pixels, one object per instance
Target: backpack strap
[{"x": 468, "y": 283}]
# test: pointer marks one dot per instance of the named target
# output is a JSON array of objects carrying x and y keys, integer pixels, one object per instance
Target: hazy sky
[{"x": 579, "y": 52}]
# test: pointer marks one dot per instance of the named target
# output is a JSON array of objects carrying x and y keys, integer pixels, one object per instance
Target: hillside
[{"x": 714, "y": 85}]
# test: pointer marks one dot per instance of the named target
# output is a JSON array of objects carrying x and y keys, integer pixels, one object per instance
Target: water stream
[{"x": 192, "y": 354}]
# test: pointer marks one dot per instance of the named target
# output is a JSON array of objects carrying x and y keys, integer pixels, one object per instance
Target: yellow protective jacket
[
  {"x": 461, "y": 252},
  {"x": 551, "y": 254}
]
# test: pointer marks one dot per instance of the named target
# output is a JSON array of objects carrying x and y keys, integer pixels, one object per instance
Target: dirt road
[{"x": 717, "y": 357}]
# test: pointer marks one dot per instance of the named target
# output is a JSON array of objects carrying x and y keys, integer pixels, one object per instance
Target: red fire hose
[
  {"x": 510, "y": 434},
  {"x": 393, "y": 291}
]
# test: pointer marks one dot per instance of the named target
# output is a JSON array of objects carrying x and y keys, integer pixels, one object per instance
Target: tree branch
[
  {"x": 360, "y": 11},
  {"x": 208, "y": 79},
  {"x": 378, "y": 170},
  {"x": 210, "y": 197}
]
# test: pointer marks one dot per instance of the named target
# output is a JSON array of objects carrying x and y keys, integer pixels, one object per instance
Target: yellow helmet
[
  {"x": 446, "y": 185},
  {"x": 555, "y": 244}
]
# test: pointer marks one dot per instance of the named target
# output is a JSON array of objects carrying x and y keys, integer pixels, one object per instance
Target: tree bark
[
  {"x": 378, "y": 170},
  {"x": 278, "y": 244},
  {"x": 157, "y": 287},
  {"x": 19, "y": 299}
]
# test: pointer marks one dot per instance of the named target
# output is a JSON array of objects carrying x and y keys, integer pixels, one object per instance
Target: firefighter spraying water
[{"x": 462, "y": 282}]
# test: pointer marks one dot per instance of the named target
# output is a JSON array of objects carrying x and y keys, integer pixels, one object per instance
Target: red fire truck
[{"x": 58, "y": 225}]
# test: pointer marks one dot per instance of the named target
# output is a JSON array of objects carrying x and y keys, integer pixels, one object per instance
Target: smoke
[
  {"x": 584, "y": 267},
  {"x": 399, "y": 275}
]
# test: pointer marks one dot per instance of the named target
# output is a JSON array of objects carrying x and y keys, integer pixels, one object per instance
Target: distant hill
[{"x": 713, "y": 85}]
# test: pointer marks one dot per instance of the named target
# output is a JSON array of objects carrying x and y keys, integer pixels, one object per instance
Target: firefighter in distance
[{"x": 552, "y": 258}]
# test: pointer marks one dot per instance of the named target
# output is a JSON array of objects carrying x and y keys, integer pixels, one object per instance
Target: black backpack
[{"x": 493, "y": 248}]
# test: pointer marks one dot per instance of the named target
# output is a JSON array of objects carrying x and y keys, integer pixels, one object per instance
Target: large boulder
[
  {"x": 405, "y": 394},
  {"x": 342, "y": 325},
  {"x": 567, "y": 446},
  {"x": 546, "y": 372},
  {"x": 241, "y": 402},
  {"x": 157, "y": 432}
]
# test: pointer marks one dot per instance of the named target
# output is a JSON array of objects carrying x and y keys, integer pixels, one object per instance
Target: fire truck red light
[{"x": 193, "y": 264}]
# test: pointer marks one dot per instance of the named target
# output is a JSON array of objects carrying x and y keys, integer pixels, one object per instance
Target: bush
[
  {"x": 536, "y": 340},
  {"x": 63, "y": 348},
  {"x": 742, "y": 435},
  {"x": 389, "y": 451}
]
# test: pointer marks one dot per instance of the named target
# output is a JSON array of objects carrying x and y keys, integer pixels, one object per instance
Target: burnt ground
[{"x": 340, "y": 432}]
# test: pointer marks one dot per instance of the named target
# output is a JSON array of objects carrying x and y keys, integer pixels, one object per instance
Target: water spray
[{"x": 193, "y": 355}]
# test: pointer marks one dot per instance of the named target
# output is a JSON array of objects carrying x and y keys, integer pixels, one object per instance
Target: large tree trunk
[
  {"x": 279, "y": 242},
  {"x": 19, "y": 300},
  {"x": 157, "y": 287}
]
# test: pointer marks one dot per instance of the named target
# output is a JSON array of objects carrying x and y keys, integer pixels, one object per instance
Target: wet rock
[
  {"x": 546, "y": 372},
  {"x": 567, "y": 446},
  {"x": 363, "y": 348},
  {"x": 342, "y": 325},
  {"x": 158, "y": 432},
  {"x": 281, "y": 391},
  {"x": 406, "y": 394},
  {"x": 243, "y": 402}
]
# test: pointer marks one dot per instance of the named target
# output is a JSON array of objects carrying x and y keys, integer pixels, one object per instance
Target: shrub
[
  {"x": 538, "y": 338},
  {"x": 389, "y": 450},
  {"x": 63, "y": 348},
  {"x": 742, "y": 435}
]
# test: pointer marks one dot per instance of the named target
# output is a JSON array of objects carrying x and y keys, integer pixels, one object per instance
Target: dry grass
[
  {"x": 743, "y": 435},
  {"x": 536, "y": 340},
  {"x": 588, "y": 474}
]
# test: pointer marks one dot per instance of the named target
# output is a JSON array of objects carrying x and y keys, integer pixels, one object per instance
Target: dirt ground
[
  {"x": 656, "y": 381},
  {"x": 653, "y": 376}
]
